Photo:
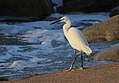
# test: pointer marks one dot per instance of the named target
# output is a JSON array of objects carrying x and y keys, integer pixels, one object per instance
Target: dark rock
[
  {"x": 4, "y": 79},
  {"x": 31, "y": 8},
  {"x": 114, "y": 11},
  {"x": 107, "y": 30},
  {"x": 79, "y": 5},
  {"x": 111, "y": 53},
  {"x": 60, "y": 9},
  {"x": 89, "y": 5},
  {"x": 14, "y": 20}
]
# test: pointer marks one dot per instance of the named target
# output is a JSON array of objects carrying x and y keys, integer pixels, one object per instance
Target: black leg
[
  {"x": 81, "y": 59},
  {"x": 74, "y": 60}
]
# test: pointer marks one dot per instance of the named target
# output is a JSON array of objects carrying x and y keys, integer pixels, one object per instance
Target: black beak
[{"x": 55, "y": 22}]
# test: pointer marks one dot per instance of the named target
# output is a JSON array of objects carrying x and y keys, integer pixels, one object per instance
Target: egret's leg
[
  {"x": 81, "y": 61},
  {"x": 74, "y": 60}
]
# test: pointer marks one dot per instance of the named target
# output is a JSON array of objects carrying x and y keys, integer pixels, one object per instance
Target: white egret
[{"x": 76, "y": 39}]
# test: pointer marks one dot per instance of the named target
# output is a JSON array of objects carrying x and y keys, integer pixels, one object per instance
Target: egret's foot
[
  {"x": 71, "y": 70},
  {"x": 81, "y": 68}
]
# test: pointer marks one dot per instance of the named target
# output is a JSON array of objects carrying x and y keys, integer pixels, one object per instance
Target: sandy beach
[{"x": 108, "y": 73}]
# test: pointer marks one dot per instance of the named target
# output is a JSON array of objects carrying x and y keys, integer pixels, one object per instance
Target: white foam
[{"x": 18, "y": 65}]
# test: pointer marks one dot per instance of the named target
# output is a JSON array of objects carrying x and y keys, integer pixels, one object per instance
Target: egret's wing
[
  {"x": 86, "y": 49},
  {"x": 84, "y": 38},
  {"x": 77, "y": 35},
  {"x": 78, "y": 40}
]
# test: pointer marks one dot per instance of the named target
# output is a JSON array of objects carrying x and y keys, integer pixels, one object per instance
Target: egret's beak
[{"x": 55, "y": 22}]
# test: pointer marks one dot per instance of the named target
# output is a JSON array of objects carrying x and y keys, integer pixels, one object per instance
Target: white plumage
[{"x": 76, "y": 39}]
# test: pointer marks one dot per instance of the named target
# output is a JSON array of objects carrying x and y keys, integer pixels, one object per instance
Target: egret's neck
[{"x": 67, "y": 25}]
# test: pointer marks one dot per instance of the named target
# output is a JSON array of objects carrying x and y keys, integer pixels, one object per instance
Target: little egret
[{"x": 76, "y": 39}]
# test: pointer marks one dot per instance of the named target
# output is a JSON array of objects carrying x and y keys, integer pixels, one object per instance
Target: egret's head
[{"x": 63, "y": 19}]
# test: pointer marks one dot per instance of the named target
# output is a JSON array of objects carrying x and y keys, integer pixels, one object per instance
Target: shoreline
[{"x": 107, "y": 73}]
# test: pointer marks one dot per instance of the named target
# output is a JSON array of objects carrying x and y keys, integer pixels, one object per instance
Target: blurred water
[{"x": 19, "y": 62}]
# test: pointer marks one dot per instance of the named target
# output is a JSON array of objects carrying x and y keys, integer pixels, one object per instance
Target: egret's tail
[{"x": 87, "y": 50}]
